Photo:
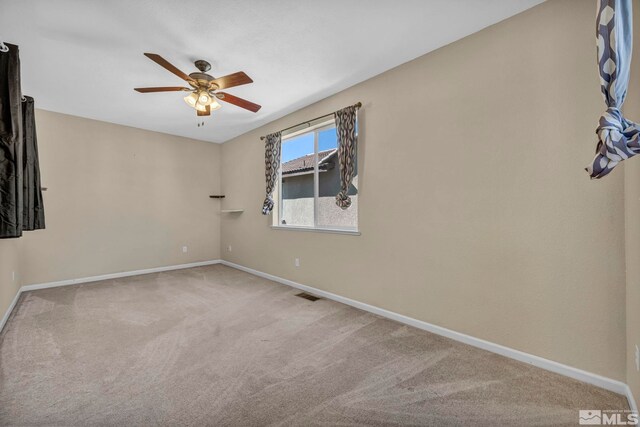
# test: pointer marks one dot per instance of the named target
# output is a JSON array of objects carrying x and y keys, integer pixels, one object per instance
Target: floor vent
[{"x": 308, "y": 296}]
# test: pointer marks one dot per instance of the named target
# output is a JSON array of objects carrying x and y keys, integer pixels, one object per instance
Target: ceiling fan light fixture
[
  {"x": 191, "y": 99},
  {"x": 215, "y": 105},
  {"x": 204, "y": 98}
]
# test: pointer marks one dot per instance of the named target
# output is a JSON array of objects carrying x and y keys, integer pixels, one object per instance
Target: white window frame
[{"x": 316, "y": 129}]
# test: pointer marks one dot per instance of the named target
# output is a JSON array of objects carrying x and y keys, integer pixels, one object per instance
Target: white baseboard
[
  {"x": 5, "y": 318},
  {"x": 632, "y": 401},
  {"x": 115, "y": 275},
  {"x": 96, "y": 279},
  {"x": 549, "y": 365}
]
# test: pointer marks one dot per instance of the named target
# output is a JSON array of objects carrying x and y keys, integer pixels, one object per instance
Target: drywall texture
[
  {"x": 475, "y": 210},
  {"x": 9, "y": 272},
  {"x": 632, "y": 224},
  {"x": 120, "y": 199}
]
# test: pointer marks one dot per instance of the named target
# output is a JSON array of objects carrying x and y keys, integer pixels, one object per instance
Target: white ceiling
[{"x": 84, "y": 57}]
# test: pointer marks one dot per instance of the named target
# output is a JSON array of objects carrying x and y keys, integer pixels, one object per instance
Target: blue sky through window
[
  {"x": 327, "y": 139},
  {"x": 303, "y": 144}
]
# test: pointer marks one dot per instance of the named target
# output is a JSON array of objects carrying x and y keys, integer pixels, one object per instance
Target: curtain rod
[{"x": 308, "y": 122}]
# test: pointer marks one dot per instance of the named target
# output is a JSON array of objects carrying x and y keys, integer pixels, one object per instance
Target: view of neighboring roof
[{"x": 304, "y": 164}]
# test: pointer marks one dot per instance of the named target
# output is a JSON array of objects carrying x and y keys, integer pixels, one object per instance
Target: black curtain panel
[
  {"x": 33, "y": 212},
  {"x": 21, "y": 205},
  {"x": 11, "y": 187}
]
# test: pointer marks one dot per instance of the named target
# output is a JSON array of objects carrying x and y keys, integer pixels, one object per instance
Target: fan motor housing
[
  {"x": 202, "y": 79},
  {"x": 201, "y": 76}
]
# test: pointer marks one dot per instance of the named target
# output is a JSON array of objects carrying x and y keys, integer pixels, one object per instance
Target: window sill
[{"x": 316, "y": 230}]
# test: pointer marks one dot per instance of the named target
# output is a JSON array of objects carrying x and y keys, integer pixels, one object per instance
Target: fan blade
[
  {"x": 243, "y": 103},
  {"x": 168, "y": 66},
  {"x": 160, "y": 89},
  {"x": 235, "y": 79},
  {"x": 204, "y": 113}
]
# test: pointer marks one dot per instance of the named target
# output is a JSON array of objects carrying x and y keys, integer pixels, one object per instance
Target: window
[{"x": 310, "y": 180}]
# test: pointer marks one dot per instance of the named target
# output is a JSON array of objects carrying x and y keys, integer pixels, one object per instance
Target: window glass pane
[
  {"x": 297, "y": 181},
  {"x": 329, "y": 214}
]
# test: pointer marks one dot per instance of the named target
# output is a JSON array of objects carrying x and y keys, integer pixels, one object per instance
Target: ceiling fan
[{"x": 204, "y": 95}]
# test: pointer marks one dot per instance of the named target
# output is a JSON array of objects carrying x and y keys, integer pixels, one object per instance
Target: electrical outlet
[
  {"x": 185, "y": 249},
  {"x": 297, "y": 262},
  {"x": 637, "y": 358},
  {"x": 229, "y": 249}
]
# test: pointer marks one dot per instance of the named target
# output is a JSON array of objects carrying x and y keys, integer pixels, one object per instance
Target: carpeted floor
[{"x": 217, "y": 346}]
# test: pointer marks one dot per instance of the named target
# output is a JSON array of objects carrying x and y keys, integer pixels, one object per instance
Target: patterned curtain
[
  {"x": 272, "y": 165},
  {"x": 617, "y": 136},
  {"x": 347, "y": 146}
]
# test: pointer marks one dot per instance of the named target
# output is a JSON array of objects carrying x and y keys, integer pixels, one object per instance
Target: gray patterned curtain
[
  {"x": 617, "y": 136},
  {"x": 11, "y": 203},
  {"x": 272, "y": 165},
  {"x": 347, "y": 147},
  {"x": 33, "y": 212}
]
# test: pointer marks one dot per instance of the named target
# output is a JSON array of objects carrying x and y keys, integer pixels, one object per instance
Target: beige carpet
[{"x": 217, "y": 346}]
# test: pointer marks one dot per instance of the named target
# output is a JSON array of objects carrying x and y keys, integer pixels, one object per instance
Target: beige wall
[
  {"x": 120, "y": 199},
  {"x": 632, "y": 222},
  {"x": 475, "y": 210},
  {"x": 632, "y": 208}
]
